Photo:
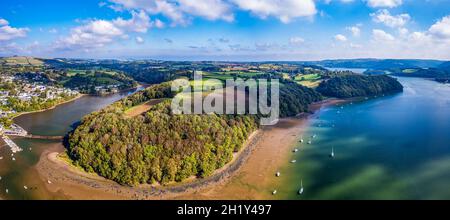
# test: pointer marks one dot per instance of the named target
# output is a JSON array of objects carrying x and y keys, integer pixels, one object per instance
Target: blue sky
[{"x": 239, "y": 30}]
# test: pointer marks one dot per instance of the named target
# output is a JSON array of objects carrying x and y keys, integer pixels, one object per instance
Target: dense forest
[
  {"x": 159, "y": 146},
  {"x": 359, "y": 86},
  {"x": 295, "y": 99}
]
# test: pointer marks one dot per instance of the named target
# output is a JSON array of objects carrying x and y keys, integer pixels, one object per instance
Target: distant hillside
[
  {"x": 359, "y": 86},
  {"x": 21, "y": 61},
  {"x": 379, "y": 63}
]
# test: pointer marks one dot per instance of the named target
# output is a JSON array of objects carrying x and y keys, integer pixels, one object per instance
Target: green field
[
  {"x": 74, "y": 72},
  {"x": 308, "y": 80},
  {"x": 25, "y": 61}
]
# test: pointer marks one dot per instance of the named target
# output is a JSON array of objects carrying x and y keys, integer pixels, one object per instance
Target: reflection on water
[
  {"x": 60, "y": 120},
  {"x": 18, "y": 174},
  {"x": 394, "y": 147}
]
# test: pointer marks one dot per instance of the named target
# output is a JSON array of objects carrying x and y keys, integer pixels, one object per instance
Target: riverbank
[
  {"x": 43, "y": 110},
  {"x": 248, "y": 176}
]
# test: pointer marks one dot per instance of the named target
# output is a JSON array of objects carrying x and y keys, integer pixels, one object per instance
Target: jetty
[
  {"x": 17, "y": 131},
  {"x": 11, "y": 144}
]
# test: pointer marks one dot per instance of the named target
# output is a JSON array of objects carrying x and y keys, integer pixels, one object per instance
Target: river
[
  {"x": 394, "y": 147},
  {"x": 54, "y": 122}
]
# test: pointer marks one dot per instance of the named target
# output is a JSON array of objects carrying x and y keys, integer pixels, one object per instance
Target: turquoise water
[{"x": 395, "y": 147}]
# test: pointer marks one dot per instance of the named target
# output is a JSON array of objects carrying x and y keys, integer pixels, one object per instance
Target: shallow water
[
  {"x": 55, "y": 122},
  {"x": 395, "y": 147}
]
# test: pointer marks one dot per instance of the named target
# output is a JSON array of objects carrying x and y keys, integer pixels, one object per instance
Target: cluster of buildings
[
  {"x": 25, "y": 91},
  {"x": 107, "y": 89}
]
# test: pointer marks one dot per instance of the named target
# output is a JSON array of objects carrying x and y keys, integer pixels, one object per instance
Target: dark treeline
[
  {"x": 159, "y": 146},
  {"x": 359, "y": 86},
  {"x": 295, "y": 99}
]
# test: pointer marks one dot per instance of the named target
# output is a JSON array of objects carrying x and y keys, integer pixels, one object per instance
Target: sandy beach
[{"x": 248, "y": 176}]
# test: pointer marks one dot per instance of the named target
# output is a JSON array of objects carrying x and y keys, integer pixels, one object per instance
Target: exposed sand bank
[{"x": 248, "y": 176}]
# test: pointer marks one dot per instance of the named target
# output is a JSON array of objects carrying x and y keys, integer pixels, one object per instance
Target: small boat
[
  {"x": 7, "y": 191},
  {"x": 301, "y": 188},
  {"x": 301, "y": 140},
  {"x": 1, "y": 158},
  {"x": 14, "y": 159},
  {"x": 25, "y": 187},
  {"x": 295, "y": 150},
  {"x": 49, "y": 182},
  {"x": 274, "y": 192},
  {"x": 293, "y": 161},
  {"x": 30, "y": 149},
  {"x": 309, "y": 142},
  {"x": 314, "y": 136},
  {"x": 332, "y": 153}
]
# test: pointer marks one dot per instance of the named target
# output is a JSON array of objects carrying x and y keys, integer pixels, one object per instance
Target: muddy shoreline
[{"x": 244, "y": 178}]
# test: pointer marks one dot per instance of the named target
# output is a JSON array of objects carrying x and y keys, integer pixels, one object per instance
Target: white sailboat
[
  {"x": 274, "y": 192},
  {"x": 301, "y": 188},
  {"x": 332, "y": 152},
  {"x": 278, "y": 174}
]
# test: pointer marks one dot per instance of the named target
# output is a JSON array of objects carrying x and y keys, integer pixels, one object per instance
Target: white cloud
[
  {"x": 382, "y": 36},
  {"x": 285, "y": 10},
  {"x": 94, "y": 34},
  {"x": 353, "y": 45},
  {"x": 340, "y": 37},
  {"x": 3, "y": 22},
  {"x": 356, "y": 31},
  {"x": 9, "y": 33},
  {"x": 139, "y": 40},
  {"x": 99, "y": 33},
  {"x": 441, "y": 29},
  {"x": 384, "y": 3},
  {"x": 393, "y": 21},
  {"x": 296, "y": 41},
  {"x": 139, "y": 22},
  {"x": 209, "y": 9},
  {"x": 180, "y": 11},
  {"x": 159, "y": 24}
]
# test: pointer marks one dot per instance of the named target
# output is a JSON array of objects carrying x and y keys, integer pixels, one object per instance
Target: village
[{"x": 18, "y": 92}]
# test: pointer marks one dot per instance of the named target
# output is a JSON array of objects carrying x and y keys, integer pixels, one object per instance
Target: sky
[{"x": 226, "y": 30}]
